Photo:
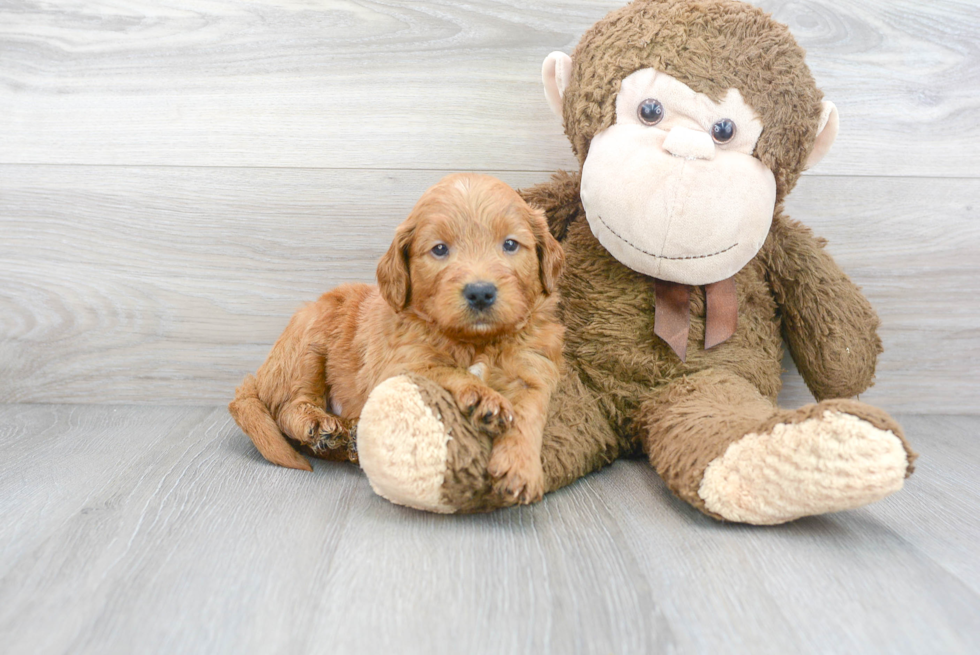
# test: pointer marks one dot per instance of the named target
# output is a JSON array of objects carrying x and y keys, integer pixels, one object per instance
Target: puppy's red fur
[{"x": 501, "y": 364}]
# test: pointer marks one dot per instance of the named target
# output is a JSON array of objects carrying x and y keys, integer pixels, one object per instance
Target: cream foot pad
[
  {"x": 402, "y": 446},
  {"x": 818, "y": 465}
]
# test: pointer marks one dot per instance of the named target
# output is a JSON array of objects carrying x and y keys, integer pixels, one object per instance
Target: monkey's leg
[
  {"x": 419, "y": 450},
  {"x": 724, "y": 448}
]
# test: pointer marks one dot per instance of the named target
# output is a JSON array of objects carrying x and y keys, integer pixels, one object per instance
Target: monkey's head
[{"x": 691, "y": 119}]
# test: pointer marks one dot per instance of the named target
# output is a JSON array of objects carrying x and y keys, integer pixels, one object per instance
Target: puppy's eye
[
  {"x": 650, "y": 112},
  {"x": 723, "y": 131},
  {"x": 511, "y": 246},
  {"x": 439, "y": 250}
]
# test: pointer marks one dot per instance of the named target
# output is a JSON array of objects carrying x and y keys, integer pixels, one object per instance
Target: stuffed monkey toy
[{"x": 692, "y": 121}]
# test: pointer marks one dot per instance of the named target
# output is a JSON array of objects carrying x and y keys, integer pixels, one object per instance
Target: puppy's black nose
[{"x": 480, "y": 295}]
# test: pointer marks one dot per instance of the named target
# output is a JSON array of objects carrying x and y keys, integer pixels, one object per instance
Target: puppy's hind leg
[
  {"x": 253, "y": 417},
  {"x": 320, "y": 433},
  {"x": 304, "y": 417}
]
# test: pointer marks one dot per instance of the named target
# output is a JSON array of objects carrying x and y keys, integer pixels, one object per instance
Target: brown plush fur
[
  {"x": 570, "y": 449},
  {"x": 683, "y": 425},
  {"x": 336, "y": 350},
  {"x": 624, "y": 389}
]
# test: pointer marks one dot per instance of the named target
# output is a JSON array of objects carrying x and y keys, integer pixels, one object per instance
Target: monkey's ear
[
  {"x": 551, "y": 256},
  {"x": 393, "y": 274},
  {"x": 826, "y": 133},
  {"x": 556, "y": 73}
]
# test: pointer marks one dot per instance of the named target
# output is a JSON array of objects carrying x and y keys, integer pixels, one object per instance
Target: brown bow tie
[{"x": 673, "y": 313}]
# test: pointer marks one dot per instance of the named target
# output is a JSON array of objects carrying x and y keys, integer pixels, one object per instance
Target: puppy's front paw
[
  {"x": 489, "y": 409},
  {"x": 516, "y": 469}
]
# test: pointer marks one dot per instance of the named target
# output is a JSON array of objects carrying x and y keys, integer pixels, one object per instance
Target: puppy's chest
[
  {"x": 481, "y": 369},
  {"x": 489, "y": 367}
]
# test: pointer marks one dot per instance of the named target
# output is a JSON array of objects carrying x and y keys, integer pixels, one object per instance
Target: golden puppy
[{"x": 465, "y": 296}]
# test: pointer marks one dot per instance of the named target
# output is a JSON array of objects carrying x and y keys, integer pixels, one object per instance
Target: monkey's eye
[
  {"x": 511, "y": 246},
  {"x": 723, "y": 130},
  {"x": 650, "y": 112},
  {"x": 439, "y": 250}
]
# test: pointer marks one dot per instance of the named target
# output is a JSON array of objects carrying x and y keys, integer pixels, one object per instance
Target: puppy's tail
[{"x": 253, "y": 417}]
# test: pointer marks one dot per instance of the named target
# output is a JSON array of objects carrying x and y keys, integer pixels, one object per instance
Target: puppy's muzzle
[{"x": 480, "y": 295}]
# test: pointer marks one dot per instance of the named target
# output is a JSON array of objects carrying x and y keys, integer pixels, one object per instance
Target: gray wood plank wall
[{"x": 176, "y": 179}]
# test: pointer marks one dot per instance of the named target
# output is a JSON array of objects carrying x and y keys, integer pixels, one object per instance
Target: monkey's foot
[
  {"x": 825, "y": 458},
  {"x": 418, "y": 449}
]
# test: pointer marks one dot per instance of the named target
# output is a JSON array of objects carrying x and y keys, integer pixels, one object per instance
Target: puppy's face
[{"x": 472, "y": 257}]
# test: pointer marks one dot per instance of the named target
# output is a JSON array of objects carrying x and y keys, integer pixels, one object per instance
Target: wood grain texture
[
  {"x": 912, "y": 245},
  {"x": 160, "y": 530},
  {"x": 167, "y": 285},
  {"x": 440, "y": 84}
]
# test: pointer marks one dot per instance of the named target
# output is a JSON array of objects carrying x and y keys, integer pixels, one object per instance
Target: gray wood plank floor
[{"x": 160, "y": 530}]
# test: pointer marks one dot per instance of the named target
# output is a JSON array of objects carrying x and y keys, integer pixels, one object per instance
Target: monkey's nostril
[{"x": 480, "y": 295}]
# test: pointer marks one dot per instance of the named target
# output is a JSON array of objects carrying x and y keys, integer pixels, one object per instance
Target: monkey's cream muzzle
[
  {"x": 671, "y": 205},
  {"x": 660, "y": 194}
]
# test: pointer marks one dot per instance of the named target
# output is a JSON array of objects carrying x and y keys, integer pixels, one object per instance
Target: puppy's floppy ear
[
  {"x": 393, "y": 274},
  {"x": 551, "y": 257}
]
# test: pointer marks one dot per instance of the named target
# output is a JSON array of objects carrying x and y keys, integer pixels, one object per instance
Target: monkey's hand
[{"x": 830, "y": 327}]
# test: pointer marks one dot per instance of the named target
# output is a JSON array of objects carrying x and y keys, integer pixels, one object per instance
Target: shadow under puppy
[{"x": 465, "y": 296}]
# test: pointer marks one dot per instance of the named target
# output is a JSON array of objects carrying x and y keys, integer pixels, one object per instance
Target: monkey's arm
[
  {"x": 559, "y": 198},
  {"x": 830, "y": 327}
]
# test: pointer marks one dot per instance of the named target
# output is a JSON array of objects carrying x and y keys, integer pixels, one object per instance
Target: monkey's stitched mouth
[{"x": 650, "y": 254}]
